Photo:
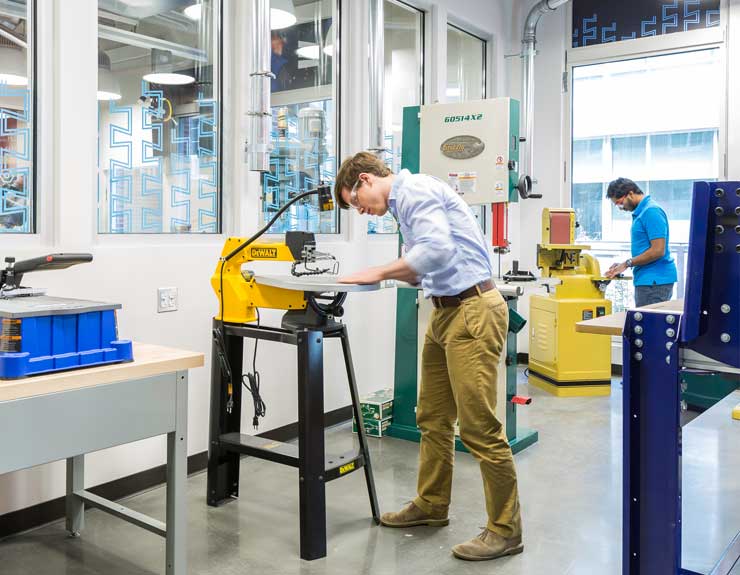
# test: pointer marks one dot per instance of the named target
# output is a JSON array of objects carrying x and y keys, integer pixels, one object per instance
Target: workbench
[{"x": 65, "y": 415}]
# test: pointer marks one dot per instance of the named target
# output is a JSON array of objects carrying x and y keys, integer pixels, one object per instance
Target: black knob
[{"x": 9, "y": 260}]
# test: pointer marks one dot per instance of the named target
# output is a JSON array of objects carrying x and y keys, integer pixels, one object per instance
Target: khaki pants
[{"x": 462, "y": 348}]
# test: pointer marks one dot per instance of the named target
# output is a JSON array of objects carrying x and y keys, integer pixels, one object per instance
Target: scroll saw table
[
  {"x": 315, "y": 468},
  {"x": 67, "y": 414}
]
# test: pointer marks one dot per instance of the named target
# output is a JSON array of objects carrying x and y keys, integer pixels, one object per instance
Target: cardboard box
[{"x": 374, "y": 427}]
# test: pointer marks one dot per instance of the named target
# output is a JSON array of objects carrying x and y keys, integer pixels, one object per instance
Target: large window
[
  {"x": 17, "y": 137},
  {"x": 466, "y": 80},
  {"x": 403, "y": 46},
  {"x": 304, "y": 134},
  {"x": 466, "y": 66},
  {"x": 643, "y": 119},
  {"x": 159, "y": 158}
]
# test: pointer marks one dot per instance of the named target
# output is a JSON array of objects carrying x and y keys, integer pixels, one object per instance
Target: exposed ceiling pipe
[
  {"x": 260, "y": 116},
  {"x": 529, "y": 49}
]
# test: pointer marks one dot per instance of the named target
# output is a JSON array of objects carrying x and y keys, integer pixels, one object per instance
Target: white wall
[{"x": 129, "y": 269}]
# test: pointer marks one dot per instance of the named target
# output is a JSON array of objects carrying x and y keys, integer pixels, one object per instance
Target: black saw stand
[{"x": 307, "y": 330}]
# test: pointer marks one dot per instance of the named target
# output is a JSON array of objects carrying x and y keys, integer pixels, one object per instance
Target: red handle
[{"x": 521, "y": 400}]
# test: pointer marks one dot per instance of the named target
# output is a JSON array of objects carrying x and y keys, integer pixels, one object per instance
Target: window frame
[
  {"x": 484, "y": 77},
  {"x": 336, "y": 94},
  {"x": 39, "y": 227},
  {"x": 710, "y": 38},
  {"x": 222, "y": 72},
  {"x": 421, "y": 85}
]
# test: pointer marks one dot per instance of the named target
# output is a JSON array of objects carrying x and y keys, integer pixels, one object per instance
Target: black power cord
[{"x": 253, "y": 387}]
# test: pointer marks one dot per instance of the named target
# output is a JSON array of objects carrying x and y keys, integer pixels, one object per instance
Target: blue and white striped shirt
[{"x": 444, "y": 243}]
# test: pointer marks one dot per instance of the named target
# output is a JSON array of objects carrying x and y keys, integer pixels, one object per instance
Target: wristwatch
[{"x": 628, "y": 263}]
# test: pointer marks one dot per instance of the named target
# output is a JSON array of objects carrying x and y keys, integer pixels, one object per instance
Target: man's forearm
[
  {"x": 647, "y": 257},
  {"x": 399, "y": 270}
]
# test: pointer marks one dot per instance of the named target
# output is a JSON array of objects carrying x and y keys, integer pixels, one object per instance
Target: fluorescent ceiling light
[
  {"x": 104, "y": 96},
  {"x": 310, "y": 52},
  {"x": 169, "y": 78},
  {"x": 13, "y": 67},
  {"x": 282, "y": 14},
  {"x": 193, "y": 11}
]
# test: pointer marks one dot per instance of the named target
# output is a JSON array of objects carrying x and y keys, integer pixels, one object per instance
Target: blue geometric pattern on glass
[
  {"x": 161, "y": 169},
  {"x": 16, "y": 188},
  {"x": 644, "y": 31},
  {"x": 670, "y": 17},
  {"x": 119, "y": 177},
  {"x": 602, "y": 21},
  {"x": 299, "y": 162}
]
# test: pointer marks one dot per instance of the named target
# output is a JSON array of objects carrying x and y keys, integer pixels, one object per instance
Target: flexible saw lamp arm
[{"x": 326, "y": 204}]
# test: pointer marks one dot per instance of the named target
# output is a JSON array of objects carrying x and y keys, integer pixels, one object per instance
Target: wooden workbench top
[
  {"x": 149, "y": 360},
  {"x": 614, "y": 324}
]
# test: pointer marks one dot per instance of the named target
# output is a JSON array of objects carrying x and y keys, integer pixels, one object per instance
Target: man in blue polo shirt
[{"x": 654, "y": 270}]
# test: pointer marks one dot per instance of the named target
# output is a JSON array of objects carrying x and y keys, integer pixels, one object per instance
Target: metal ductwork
[
  {"x": 376, "y": 73},
  {"x": 529, "y": 49},
  {"x": 260, "y": 116}
]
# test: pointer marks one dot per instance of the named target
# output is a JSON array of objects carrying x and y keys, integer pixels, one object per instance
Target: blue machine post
[
  {"x": 656, "y": 344},
  {"x": 652, "y": 445}
]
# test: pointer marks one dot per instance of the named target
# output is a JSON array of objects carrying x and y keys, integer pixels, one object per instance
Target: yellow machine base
[
  {"x": 565, "y": 390},
  {"x": 736, "y": 412}
]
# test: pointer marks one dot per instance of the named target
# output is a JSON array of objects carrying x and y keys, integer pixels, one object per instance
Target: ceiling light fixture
[
  {"x": 310, "y": 52},
  {"x": 194, "y": 11},
  {"x": 282, "y": 14},
  {"x": 162, "y": 70}
]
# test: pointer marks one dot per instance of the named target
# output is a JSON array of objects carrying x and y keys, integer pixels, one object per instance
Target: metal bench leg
[
  {"x": 360, "y": 426},
  {"x": 311, "y": 460},
  {"x": 75, "y": 505}
]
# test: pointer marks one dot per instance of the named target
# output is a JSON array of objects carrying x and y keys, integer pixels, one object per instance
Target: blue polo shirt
[{"x": 649, "y": 222}]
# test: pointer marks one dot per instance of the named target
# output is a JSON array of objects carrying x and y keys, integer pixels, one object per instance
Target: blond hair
[{"x": 350, "y": 170}]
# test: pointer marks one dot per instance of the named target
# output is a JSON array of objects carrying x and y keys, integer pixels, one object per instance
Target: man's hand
[
  {"x": 615, "y": 270},
  {"x": 368, "y": 276}
]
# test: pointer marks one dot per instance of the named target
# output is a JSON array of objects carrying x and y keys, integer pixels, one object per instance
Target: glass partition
[
  {"x": 304, "y": 134},
  {"x": 159, "y": 160},
  {"x": 17, "y": 132},
  {"x": 403, "y": 31}
]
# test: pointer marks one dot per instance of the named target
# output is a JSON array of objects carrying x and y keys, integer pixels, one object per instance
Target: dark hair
[{"x": 621, "y": 187}]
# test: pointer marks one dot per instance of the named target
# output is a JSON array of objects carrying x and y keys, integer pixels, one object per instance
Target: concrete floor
[{"x": 570, "y": 485}]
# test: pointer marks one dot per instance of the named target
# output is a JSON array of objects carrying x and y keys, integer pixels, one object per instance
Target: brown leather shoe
[
  {"x": 411, "y": 516},
  {"x": 488, "y": 545}
]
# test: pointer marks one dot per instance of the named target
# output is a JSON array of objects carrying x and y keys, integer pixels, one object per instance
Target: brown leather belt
[{"x": 456, "y": 300}]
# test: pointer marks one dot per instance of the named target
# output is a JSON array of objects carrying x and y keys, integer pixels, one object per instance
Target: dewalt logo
[
  {"x": 347, "y": 468},
  {"x": 263, "y": 253}
]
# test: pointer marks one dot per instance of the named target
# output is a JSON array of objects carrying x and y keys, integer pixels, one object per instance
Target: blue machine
[
  {"x": 658, "y": 346},
  {"x": 43, "y": 334}
]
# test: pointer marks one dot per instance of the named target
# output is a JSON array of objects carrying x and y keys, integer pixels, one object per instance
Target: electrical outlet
[{"x": 166, "y": 299}]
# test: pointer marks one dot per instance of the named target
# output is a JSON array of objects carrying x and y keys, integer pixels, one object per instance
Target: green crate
[
  {"x": 377, "y": 406},
  {"x": 374, "y": 427}
]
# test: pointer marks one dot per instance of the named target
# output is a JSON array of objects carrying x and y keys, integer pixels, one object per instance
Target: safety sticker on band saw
[{"x": 463, "y": 182}]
